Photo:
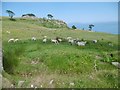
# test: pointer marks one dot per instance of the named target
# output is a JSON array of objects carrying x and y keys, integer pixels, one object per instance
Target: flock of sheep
[{"x": 58, "y": 40}]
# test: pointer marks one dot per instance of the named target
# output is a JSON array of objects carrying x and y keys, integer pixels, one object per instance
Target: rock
[
  {"x": 12, "y": 86},
  {"x": 41, "y": 86},
  {"x": 20, "y": 83},
  {"x": 51, "y": 81},
  {"x": 35, "y": 86},
  {"x": 6, "y": 83},
  {"x": 117, "y": 64},
  {"x": 31, "y": 86}
]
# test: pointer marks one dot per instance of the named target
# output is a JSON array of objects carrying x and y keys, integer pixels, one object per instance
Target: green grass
[{"x": 64, "y": 63}]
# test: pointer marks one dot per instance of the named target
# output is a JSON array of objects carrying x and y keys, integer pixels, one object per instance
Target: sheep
[
  {"x": 54, "y": 41},
  {"x": 68, "y": 38},
  {"x": 16, "y": 40},
  {"x": 45, "y": 36},
  {"x": 58, "y": 39},
  {"x": 33, "y": 38},
  {"x": 81, "y": 43},
  {"x": 110, "y": 44},
  {"x": 71, "y": 41},
  {"x": 11, "y": 40},
  {"x": 44, "y": 40},
  {"x": 95, "y": 41}
]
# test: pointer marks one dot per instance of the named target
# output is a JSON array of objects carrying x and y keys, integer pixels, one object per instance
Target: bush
[
  {"x": 10, "y": 58},
  {"x": 74, "y": 27}
]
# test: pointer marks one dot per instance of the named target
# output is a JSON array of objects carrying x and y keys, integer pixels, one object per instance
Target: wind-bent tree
[
  {"x": 50, "y": 16},
  {"x": 91, "y": 26},
  {"x": 74, "y": 27},
  {"x": 11, "y": 13}
]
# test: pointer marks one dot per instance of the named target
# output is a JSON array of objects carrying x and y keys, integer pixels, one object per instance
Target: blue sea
[{"x": 107, "y": 27}]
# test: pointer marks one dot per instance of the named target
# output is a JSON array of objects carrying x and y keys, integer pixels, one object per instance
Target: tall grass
[{"x": 11, "y": 57}]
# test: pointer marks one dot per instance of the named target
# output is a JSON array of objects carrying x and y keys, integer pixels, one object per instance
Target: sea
[{"x": 106, "y": 27}]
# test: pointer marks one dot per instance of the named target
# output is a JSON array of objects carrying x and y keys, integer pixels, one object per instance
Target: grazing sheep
[
  {"x": 68, "y": 38},
  {"x": 11, "y": 40},
  {"x": 33, "y": 38},
  {"x": 58, "y": 39},
  {"x": 16, "y": 40},
  {"x": 71, "y": 41},
  {"x": 110, "y": 44},
  {"x": 45, "y": 36},
  {"x": 44, "y": 40},
  {"x": 54, "y": 41},
  {"x": 81, "y": 43},
  {"x": 95, "y": 41}
]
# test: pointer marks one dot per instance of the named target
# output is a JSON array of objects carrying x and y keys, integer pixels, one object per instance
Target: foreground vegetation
[{"x": 66, "y": 65}]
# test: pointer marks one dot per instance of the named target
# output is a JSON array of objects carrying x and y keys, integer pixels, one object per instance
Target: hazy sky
[{"x": 81, "y": 12}]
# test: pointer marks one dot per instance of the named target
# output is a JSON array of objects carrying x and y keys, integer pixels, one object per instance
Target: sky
[
  {"x": 70, "y": 12},
  {"x": 60, "y": 0}
]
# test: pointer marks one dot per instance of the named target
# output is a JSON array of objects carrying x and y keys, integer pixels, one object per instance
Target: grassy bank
[{"x": 66, "y": 65}]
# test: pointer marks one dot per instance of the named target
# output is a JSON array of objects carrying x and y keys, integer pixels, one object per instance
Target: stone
[
  {"x": 20, "y": 83},
  {"x": 51, "y": 81},
  {"x": 31, "y": 86}
]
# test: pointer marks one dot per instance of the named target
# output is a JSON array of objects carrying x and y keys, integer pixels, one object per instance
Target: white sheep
[
  {"x": 45, "y": 36},
  {"x": 68, "y": 38},
  {"x": 54, "y": 41},
  {"x": 60, "y": 40},
  {"x": 11, "y": 40},
  {"x": 71, "y": 41},
  {"x": 94, "y": 41},
  {"x": 81, "y": 43},
  {"x": 44, "y": 40},
  {"x": 16, "y": 40},
  {"x": 33, "y": 38}
]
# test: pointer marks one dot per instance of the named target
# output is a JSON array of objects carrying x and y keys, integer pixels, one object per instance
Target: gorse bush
[{"x": 11, "y": 58}]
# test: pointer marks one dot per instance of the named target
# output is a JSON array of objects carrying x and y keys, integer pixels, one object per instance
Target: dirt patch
[{"x": 44, "y": 81}]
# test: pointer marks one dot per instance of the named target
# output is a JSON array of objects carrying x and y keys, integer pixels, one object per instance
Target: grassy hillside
[{"x": 64, "y": 64}]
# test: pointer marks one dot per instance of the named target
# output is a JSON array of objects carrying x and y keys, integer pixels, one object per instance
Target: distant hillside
[{"x": 49, "y": 23}]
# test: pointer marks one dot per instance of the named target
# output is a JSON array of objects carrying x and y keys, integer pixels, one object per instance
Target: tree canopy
[
  {"x": 29, "y": 15},
  {"x": 11, "y": 13},
  {"x": 90, "y": 26},
  {"x": 50, "y": 16},
  {"x": 74, "y": 27}
]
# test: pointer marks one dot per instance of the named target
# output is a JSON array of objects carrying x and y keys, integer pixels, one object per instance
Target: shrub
[{"x": 74, "y": 27}]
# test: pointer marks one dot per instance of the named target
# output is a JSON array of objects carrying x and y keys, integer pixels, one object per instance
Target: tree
[
  {"x": 50, "y": 16},
  {"x": 91, "y": 26},
  {"x": 74, "y": 27},
  {"x": 11, "y": 13},
  {"x": 31, "y": 15}
]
